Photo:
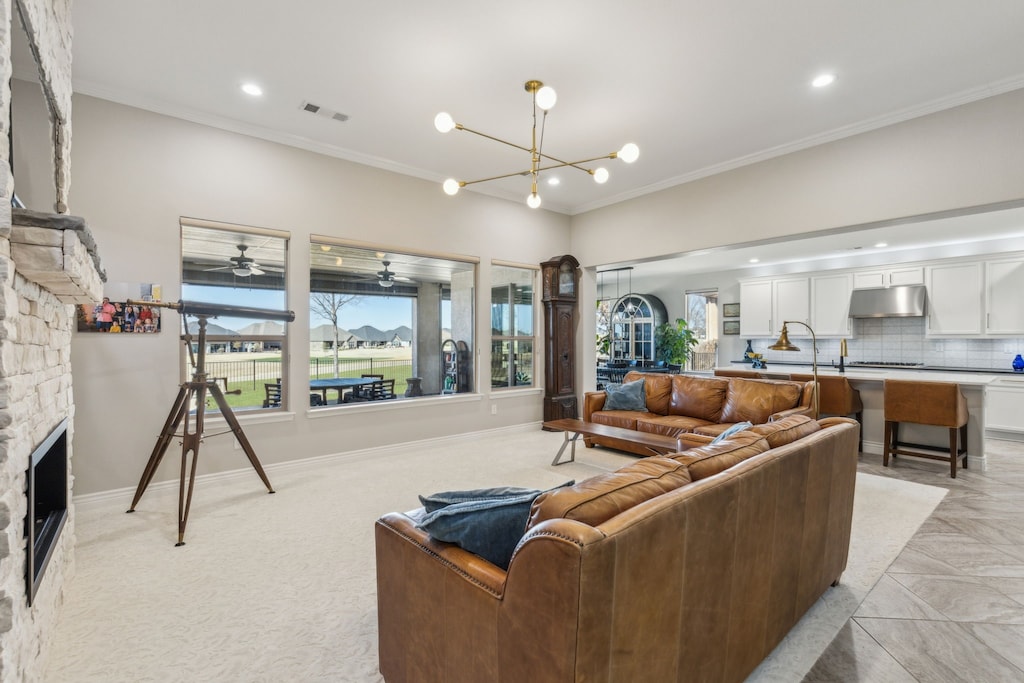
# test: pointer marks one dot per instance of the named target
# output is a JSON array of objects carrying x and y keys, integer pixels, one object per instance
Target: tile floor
[{"x": 951, "y": 607}]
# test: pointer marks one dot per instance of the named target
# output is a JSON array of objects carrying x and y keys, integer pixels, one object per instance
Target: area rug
[{"x": 282, "y": 587}]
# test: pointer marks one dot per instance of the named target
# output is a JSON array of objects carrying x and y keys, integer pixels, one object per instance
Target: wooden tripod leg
[
  {"x": 190, "y": 440},
  {"x": 190, "y": 445},
  {"x": 162, "y": 442},
  {"x": 236, "y": 429}
]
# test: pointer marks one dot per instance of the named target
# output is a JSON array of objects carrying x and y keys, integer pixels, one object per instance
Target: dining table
[{"x": 339, "y": 384}]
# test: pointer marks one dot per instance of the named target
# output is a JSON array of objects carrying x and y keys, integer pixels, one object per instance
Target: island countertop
[{"x": 870, "y": 382}]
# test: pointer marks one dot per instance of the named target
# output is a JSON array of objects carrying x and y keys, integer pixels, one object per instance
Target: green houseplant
[{"x": 674, "y": 342}]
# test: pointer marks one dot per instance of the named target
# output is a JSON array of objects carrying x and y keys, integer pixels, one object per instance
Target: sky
[{"x": 382, "y": 312}]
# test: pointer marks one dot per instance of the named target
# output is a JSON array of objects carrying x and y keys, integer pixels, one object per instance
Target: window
[
  {"x": 634, "y": 318},
  {"x": 702, "y": 319},
  {"x": 380, "y": 321},
  {"x": 512, "y": 316},
  {"x": 236, "y": 266}
]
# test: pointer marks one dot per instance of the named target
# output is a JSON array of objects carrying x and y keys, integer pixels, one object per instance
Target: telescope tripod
[{"x": 193, "y": 393}]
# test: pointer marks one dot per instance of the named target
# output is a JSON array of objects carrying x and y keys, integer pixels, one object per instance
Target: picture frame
[
  {"x": 731, "y": 326},
  {"x": 730, "y": 310}
]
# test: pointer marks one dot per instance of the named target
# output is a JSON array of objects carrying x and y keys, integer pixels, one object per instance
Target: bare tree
[{"x": 328, "y": 305}]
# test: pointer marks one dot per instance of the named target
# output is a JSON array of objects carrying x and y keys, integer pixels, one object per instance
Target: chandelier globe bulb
[
  {"x": 451, "y": 187},
  {"x": 546, "y": 97},
  {"x": 444, "y": 122},
  {"x": 629, "y": 153},
  {"x": 601, "y": 175},
  {"x": 533, "y": 200}
]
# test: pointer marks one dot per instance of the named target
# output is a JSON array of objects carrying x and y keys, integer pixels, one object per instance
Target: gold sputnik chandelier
[{"x": 544, "y": 99}]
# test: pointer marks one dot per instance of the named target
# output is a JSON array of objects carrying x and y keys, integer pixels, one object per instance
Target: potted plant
[{"x": 674, "y": 342}]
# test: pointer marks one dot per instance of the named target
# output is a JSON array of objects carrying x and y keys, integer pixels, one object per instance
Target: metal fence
[{"x": 259, "y": 371}]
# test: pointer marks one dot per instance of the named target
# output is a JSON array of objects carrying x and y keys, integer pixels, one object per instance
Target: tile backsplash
[{"x": 899, "y": 340}]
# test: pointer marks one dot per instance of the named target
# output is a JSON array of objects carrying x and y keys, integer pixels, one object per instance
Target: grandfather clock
[{"x": 561, "y": 284}]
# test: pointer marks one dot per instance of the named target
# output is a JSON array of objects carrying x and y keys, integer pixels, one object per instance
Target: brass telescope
[
  {"x": 198, "y": 308},
  {"x": 190, "y": 405}
]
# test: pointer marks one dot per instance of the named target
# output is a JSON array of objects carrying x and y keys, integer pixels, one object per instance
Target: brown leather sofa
[
  {"x": 679, "y": 404},
  {"x": 684, "y": 568}
]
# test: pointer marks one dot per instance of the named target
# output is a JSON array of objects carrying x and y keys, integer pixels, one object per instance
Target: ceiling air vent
[{"x": 323, "y": 111}]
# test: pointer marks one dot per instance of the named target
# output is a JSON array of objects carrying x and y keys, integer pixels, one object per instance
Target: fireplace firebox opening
[{"x": 47, "y": 492}]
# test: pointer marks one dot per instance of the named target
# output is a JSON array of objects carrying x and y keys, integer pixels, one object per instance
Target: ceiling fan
[
  {"x": 244, "y": 266},
  {"x": 387, "y": 278}
]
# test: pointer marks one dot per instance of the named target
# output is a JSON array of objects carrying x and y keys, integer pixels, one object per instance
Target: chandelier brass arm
[
  {"x": 543, "y": 97},
  {"x": 562, "y": 164}
]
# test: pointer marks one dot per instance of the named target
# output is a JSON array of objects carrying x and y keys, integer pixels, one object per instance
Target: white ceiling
[{"x": 701, "y": 87}]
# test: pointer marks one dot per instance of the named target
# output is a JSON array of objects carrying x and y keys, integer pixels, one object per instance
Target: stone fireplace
[
  {"x": 45, "y": 269},
  {"x": 48, "y": 264}
]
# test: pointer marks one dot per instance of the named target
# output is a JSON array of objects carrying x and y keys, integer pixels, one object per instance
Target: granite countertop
[
  {"x": 971, "y": 377},
  {"x": 849, "y": 367}
]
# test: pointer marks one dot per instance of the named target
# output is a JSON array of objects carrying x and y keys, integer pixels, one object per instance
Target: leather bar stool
[
  {"x": 940, "y": 404},
  {"x": 837, "y": 398}
]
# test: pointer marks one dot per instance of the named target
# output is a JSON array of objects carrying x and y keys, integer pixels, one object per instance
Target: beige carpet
[{"x": 282, "y": 587}]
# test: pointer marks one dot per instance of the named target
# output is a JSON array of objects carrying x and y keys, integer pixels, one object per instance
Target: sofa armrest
[
  {"x": 470, "y": 567},
  {"x": 800, "y": 410},
  {"x": 593, "y": 401},
  {"x": 689, "y": 440}
]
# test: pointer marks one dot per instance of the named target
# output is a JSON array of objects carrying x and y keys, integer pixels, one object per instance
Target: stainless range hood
[{"x": 888, "y": 302}]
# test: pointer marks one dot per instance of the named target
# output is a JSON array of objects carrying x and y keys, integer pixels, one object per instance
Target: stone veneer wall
[{"x": 35, "y": 342}]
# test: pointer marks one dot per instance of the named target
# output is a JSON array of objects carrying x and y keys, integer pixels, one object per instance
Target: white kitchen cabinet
[
  {"x": 954, "y": 299},
  {"x": 830, "y": 305},
  {"x": 1003, "y": 401},
  {"x": 766, "y": 304},
  {"x": 756, "y": 308},
  {"x": 791, "y": 300},
  {"x": 888, "y": 277},
  {"x": 1004, "y": 287}
]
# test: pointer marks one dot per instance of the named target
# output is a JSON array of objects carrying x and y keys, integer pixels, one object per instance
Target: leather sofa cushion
[
  {"x": 705, "y": 461},
  {"x": 757, "y": 400},
  {"x": 669, "y": 425},
  {"x": 658, "y": 387},
  {"x": 700, "y": 397},
  {"x": 599, "y": 498},
  {"x": 618, "y": 418},
  {"x": 787, "y": 430}
]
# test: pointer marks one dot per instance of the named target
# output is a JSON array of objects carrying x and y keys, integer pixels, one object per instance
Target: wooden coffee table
[{"x": 656, "y": 443}]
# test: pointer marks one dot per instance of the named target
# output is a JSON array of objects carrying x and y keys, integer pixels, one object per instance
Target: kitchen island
[{"x": 870, "y": 383}]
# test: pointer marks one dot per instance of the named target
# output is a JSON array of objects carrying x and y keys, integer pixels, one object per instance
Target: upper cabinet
[
  {"x": 766, "y": 304},
  {"x": 954, "y": 299},
  {"x": 791, "y": 300},
  {"x": 830, "y": 305},
  {"x": 888, "y": 277},
  {"x": 1004, "y": 287},
  {"x": 756, "y": 308}
]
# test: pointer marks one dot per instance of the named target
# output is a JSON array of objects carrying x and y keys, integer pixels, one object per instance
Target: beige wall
[{"x": 136, "y": 172}]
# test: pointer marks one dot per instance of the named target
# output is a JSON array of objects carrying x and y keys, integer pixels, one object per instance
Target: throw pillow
[
  {"x": 486, "y": 525},
  {"x": 738, "y": 427},
  {"x": 626, "y": 396},
  {"x": 436, "y": 501}
]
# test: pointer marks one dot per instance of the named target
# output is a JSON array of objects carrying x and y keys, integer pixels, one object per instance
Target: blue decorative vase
[
  {"x": 1018, "y": 364},
  {"x": 747, "y": 353}
]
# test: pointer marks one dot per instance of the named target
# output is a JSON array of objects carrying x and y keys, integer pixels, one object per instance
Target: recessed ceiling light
[
  {"x": 755, "y": 260},
  {"x": 882, "y": 244},
  {"x": 252, "y": 89},
  {"x": 823, "y": 80},
  {"x": 554, "y": 181}
]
